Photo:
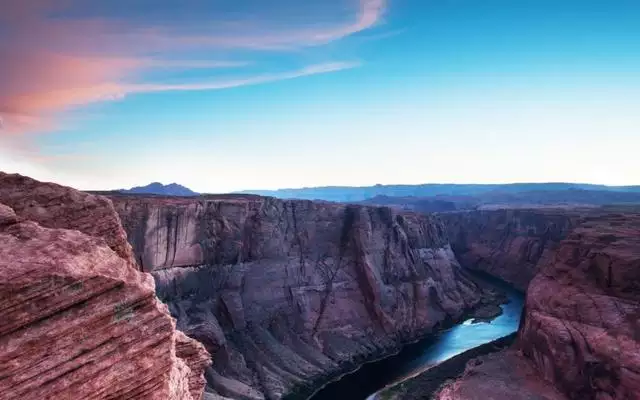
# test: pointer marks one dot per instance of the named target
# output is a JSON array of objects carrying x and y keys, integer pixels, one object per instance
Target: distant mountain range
[
  {"x": 357, "y": 194},
  {"x": 439, "y": 197},
  {"x": 495, "y": 199},
  {"x": 158, "y": 188}
]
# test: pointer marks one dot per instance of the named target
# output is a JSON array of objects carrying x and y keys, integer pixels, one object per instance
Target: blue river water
[{"x": 427, "y": 353}]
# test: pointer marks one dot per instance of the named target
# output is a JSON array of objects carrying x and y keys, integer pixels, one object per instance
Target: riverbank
[
  {"x": 370, "y": 365},
  {"x": 447, "y": 339},
  {"x": 425, "y": 385}
]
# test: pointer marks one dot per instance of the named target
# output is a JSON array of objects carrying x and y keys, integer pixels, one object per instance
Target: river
[{"x": 420, "y": 356}]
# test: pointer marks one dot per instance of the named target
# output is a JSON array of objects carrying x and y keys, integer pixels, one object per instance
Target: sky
[{"x": 225, "y": 95}]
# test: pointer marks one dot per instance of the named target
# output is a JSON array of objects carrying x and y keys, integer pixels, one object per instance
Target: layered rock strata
[
  {"x": 79, "y": 321},
  {"x": 580, "y": 330},
  {"x": 581, "y": 327},
  {"x": 511, "y": 244},
  {"x": 286, "y": 294}
]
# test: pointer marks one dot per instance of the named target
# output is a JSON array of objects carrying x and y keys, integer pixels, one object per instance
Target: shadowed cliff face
[
  {"x": 285, "y": 293},
  {"x": 79, "y": 321},
  {"x": 582, "y": 320},
  {"x": 508, "y": 244}
]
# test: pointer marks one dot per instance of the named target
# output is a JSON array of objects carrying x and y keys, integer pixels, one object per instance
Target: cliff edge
[
  {"x": 78, "y": 319},
  {"x": 580, "y": 333},
  {"x": 581, "y": 327}
]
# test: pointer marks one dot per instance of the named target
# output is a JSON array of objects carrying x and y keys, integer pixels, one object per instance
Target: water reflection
[{"x": 417, "y": 357}]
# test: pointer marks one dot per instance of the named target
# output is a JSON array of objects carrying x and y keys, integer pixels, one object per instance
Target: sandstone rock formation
[
  {"x": 286, "y": 294},
  {"x": 581, "y": 326},
  {"x": 580, "y": 333},
  {"x": 508, "y": 244},
  {"x": 79, "y": 321},
  {"x": 582, "y": 322}
]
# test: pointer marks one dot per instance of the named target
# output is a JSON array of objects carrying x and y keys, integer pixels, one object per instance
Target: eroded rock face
[
  {"x": 510, "y": 244},
  {"x": 582, "y": 320},
  {"x": 287, "y": 293},
  {"x": 78, "y": 319}
]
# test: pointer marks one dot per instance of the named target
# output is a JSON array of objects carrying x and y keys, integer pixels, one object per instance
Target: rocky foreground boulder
[
  {"x": 78, "y": 320},
  {"x": 287, "y": 294}
]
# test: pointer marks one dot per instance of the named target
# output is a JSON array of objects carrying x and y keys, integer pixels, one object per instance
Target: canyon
[
  {"x": 511, "y": 244},
  {"x": 248, "y": 297},
  {"x": 579, "y": 332},
  {"x": 286, "y": 294}
]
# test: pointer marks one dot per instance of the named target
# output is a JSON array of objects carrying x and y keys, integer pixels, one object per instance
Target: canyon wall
[
  {"x": 285, "y": 294},
  {"x": 78, "y": 319},
  {"x": 580, "y": 333},
  {"x": 510, "y": 244},
  {"x": 581, "y": 326}
]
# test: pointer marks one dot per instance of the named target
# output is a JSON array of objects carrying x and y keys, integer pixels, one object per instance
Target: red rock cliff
[
  {"x": 284, "y": 293},
  {"x": 78, "y": 320},
  {"x": 582, "y": 322},
  {"x": 510, "y": 244},
  {"x": 580, "y": 330}
]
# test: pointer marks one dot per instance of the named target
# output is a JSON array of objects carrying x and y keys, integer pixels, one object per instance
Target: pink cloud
[
  {"x": 43, "y": 82},
  {"x": 50, "y": 63},
  {"x": 43, "y": 104}
]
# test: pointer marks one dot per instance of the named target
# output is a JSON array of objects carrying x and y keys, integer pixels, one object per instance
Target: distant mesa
[{"x": 158, "y": 188}]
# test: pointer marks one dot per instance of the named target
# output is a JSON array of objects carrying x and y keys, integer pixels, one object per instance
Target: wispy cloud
[
  {"x": 216, "y": 85},
  {"x": 61, "y": 54},
  {"x": 34, "y": 112},
  {"x": 368, "y": 14}
]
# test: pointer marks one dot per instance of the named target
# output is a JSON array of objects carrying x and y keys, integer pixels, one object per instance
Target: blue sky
[{"x": 222, "y": 95}]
